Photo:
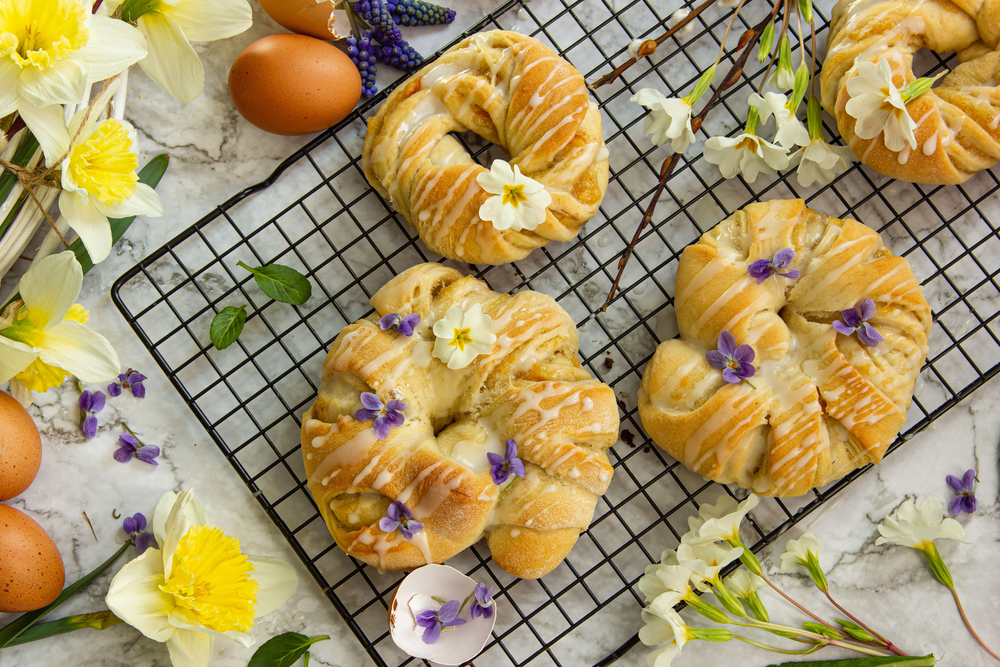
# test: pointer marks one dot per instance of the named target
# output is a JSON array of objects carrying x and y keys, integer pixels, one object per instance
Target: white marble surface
[{"x": 213, "y": 154}]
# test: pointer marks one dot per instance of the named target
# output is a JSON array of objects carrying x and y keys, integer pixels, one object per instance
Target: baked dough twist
[
  {"x": 514, "y": 92},
  {"x": 820, "y": 403},
  {"x": 530, "y": 388},
  {"x": 958, "y": 121}
]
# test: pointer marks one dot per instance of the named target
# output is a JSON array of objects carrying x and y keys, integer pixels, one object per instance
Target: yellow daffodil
[
  {"x": 52, "y": 50},
  {"x": 197, "y": 585},
  {"x": 47, "y": 339},
  {"x": 170, "y": 26},
  {"x": 98, "y": 172}
]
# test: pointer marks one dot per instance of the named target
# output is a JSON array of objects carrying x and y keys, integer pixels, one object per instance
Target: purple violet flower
[
  {"x": 434, "y": 621},
  {"x": 130, "y": 447},
  {"x": 90, "y": 404},
  {"x": 131, "y": 380},
  {"x": 387, "y": 417},
  {"x": 403, "y": 324},
  {"x": 135, "y": 528},
  {"x": 965, "y": 501},
  {"x": 483, "y": 606},
  {"x": 856, "y": 320},
  {"x": 763, "y": 269},
  {"x": 502, "y": 467},
  {"x": 399, "y": 517},
  {"x": 735, "y": 362}
]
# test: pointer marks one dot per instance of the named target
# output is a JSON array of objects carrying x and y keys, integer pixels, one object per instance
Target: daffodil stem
[
  {"x": 888, "y": 644},
  {"x": 99, "y": 620},
  {"x": 965, "y": 619}
]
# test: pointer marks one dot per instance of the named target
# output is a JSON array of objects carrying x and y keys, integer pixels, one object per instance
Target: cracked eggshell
[
  {"x": 456, "y": 645},
  {"x": 316, "y": 18}
]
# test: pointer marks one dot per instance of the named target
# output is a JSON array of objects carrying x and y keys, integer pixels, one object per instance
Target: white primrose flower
[
  {"x": 98, "y": 176},
  {"x": 743, "y": 583},
  {"x": 663, "y": 624},
  {"x": 746, "y": 154},
  {"x": 461, "y": 337},
  {"x": 820, "y": 162},
  {"x": 918, "y": 527},
  {"x": 518, "y": 202},
  {"x": 719, "y": 523},
  {"x": 797, "y": 551},
  {"x": 663, "y": 656},
  {"x": 879, "y": 106},
  {"x": 170, "y": 26},
  {"x": 669, "y": 119},
  {"x": 662, "y": 579},
  {"x": 706, "y": 561},
  {"x": 791, "y": 131},
  {"x": 51, "y": 51}
]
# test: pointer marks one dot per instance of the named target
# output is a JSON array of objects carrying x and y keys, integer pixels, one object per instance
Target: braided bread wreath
[
  {"x": 958, "y": 121},
  {"x": 820, "y": 403},
  {"x": 530, "y": 387},
  {"x": 514, "y": 92}
]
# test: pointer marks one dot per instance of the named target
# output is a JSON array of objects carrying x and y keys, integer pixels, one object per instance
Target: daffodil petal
[
  {"x": 113, "y": 46},
  {"x": 135, "y": 596},
  {"x": 188, "y": 648},
  {"x": 93, "y": 227},
  {"x": 144, "y": 201},
  {"x": 86, "y": 354},
  {"x": 14, "y": 358},
  {"x": 160, "y": 515},
  {"x": 9, "y": 95},
  {"x": 186, "y": 511},
  {"x": 88, "y": 117},
  {"x": 171, "y": 61},
  {"x": 49, "y": 129},
  {"x": 208, "y": 21},
  {"x": 62, "y": 82},
  {"x": 179, "y": 621},
  {"x": 50, "y": 287},
  {"x": 21, "y": 394},
  {"x": 277, "y": 581}
]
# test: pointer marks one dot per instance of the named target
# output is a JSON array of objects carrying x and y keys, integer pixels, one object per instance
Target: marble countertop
[{"x": 214, "y": 153}]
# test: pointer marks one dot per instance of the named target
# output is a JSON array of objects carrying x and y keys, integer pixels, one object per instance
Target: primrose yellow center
[
  {"x": 104, "y": 165},
  {"x": 210, "y": 578},
  {"x": 461, "y": 338},
  {"x": 748, "y": 142},
  {"x": 514, "y": 195},
  {"x": 39, "y": 33}
]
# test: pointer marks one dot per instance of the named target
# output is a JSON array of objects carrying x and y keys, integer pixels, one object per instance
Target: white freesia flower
[
  {"x": 197, "y": 586},
  {"x": 706, "y": 561},
  {"x": 51, "y": 51},
  {"x": 47, "y": 339},
  {"x": 791, "y": 131},
  {"x": 663, "y": 624},
  {"x": 461, "y": 337},
  {"x": 170, "y": 26},
  {"x": 918, "y": 527},
  {"x": 747, "y": 154},
  {"x": 719, "y": 522},
  {"x": 819, "y": 162},
  {"x": 743, "y": 583},
  {"x": 878, "y": 106},
  {"x": 669, "y": 119},
  {"x": 98, "y": 171},
  {"x": 518, "y": 202},
  {"x": 797, "y": 551}
]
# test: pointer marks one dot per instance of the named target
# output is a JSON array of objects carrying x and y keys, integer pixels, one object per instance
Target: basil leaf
[
  {"x": 884, "y": 661},
  {"x": 227, "y": 326},
  {"x": 283, "y": 650},
  {"x": 281, "y": 283}
]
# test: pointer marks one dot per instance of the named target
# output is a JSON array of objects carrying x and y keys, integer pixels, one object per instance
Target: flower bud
[
  {"x": 855, "y": 630},
  {"x": 766, "y": 43},
  {"x": 757, "y": 607},
  {"x": 711, "y": 634},
  {"x": 708, "y": 610},
  {"x": 821, "y": 630}
]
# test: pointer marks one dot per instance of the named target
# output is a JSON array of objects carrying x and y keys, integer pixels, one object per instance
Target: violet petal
[
  {"x": 744, "y": 354},
  {"x": 783, "y": 258},
  {"x": 494, "y": 459},
  {"x": 955, "y": 483},
  {"x": 371, "y": 401},
  {"x": 115, "y": 389},
  {"x": 955, "y": 506},
  {"x": 387, "y": 322},
  {"x": 517, "y": 468},
  {"x": 432, "y": 634},
  {"x": 364, "y": 414},
  {"x": 395, "y": 406},
  {"x": 140, "y": 521},
  {"x": 99, "y": 401},
  {"x": 716, "y": 359},
  {"x": 129, "y": 525},
  {"x": 868, "y": 335},
  {"x": 138, "y": 390},
  {"x": 727, "y": 344},
  {"x": 852, "y": 317},
  {"x": 510, "y": 452},
  {"x": 89, "y": 426},
  {"x": 730, "y": 376},
  {"x": 867, "y": 309},
  {"x": 449, "y": 611},
  {"x": 387, "y": 525},
  {"x": 122, "y": 455},
  {"x": 842, "y": 328},
  {"x": 968, "y": 479},
  {"x": 381, "y": 428},
  {"x": 969, "y": 504}
]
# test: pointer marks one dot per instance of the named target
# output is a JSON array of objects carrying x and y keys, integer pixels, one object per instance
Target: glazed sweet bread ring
[
  {"x": 958, "y": 121},
  {"x": 820, "y": 403},
  {"x": 530, "y": 388},
  {"x": 514, "y": 92}
]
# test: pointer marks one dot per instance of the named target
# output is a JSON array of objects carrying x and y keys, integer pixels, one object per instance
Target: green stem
[
  {"x": 807, "y": 651},
  {"x": 772, "y": 627},
  {"x": 888, "y": 644},
  {"x": 965, "y": 618},
  {"x": 800, "y": 607},
  {"x": 99, "y": 620}
]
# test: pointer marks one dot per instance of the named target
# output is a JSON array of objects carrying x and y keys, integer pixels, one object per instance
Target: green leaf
[
  {"x": 281, "y": 283},
  {"x": 907, "y": 660},
  {"x": 21, "y": 157},
  {"x": 25, "y": 621},
  {"x": 133, "y": 9},
  {"x": 283, "y": 650},
  {"x": 227, "y": 326}
]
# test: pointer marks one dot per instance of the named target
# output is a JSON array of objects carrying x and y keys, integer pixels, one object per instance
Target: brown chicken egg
[
  {"x": 316, "y": 18},
  {"x": 31, "y": 569},
  {"x": 20, "y": 448},
  {"x": 293, "y": 84}
]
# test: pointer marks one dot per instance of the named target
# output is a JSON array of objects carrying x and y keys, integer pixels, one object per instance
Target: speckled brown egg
[
  {"x": 306, "y": 17},
  {"x": 31, "y": 569},
  {"x": 20, "y": 448},
  {"x": 293, "y": 84}
]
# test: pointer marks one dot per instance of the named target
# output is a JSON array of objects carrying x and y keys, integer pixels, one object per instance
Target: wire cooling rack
[{"x": 318, "y": 214}]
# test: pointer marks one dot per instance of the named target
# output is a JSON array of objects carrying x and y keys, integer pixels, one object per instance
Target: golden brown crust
[
  {"x": 820, "y": 403},
  {"x": 530, "y": 388},
  {"x": 514, "y": 92},
  {"x": 958, "y": 121}
]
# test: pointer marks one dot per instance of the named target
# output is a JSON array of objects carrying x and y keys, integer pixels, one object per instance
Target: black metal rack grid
[{"x": 322, "y": 217}]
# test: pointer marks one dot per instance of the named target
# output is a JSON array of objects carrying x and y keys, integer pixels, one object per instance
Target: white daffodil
[
  {"x": 668, "y": 121},
  {"x": 721, "y": 522},
  {"x": 663, "y": 624},
  {"x": 747, "y": 154},
  {"x": 706, "y": 561},
  {"x": 47, "y": 339},
  {"x": 661, "y": 579},
  {"x": 197, "y": 585},
  {"x": 819, "y": 162},
  {"x": 518, "y": 202},
  {"x": 797, "y": 552},
  {"x": 98, "y": 171},
  {"x": 461, "y": 337},
  {"x": 743, "y": 583},
  {"x": 879, "y": 106},
  {"x": 918, "y": 527},
  {"x": 791, "y": 131},
  {"x": 51, "y": 51},
  {"x": 170, "y": 26}
]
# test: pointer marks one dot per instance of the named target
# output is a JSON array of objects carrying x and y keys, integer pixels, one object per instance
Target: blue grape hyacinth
[
  {"x": 377, "y": 15},
  {"x": 419, "y": 12},
  {"x": 401, "y": 56},
  {"x": 362, "y": 53}
]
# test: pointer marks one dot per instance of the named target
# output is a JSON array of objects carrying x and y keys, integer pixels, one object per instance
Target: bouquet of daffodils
[{"x": 68, "y": 159}]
